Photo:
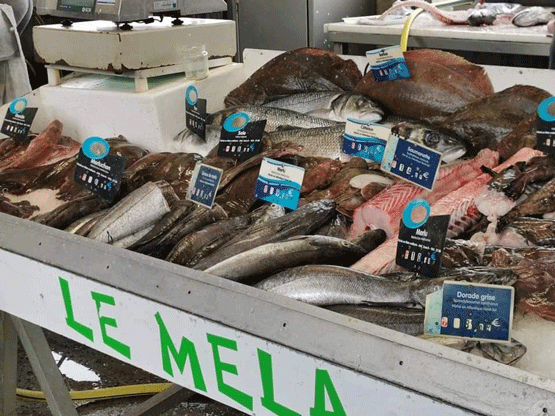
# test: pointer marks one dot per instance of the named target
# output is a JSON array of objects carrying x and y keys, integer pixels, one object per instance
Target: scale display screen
[{"x": 83, "y": 6}]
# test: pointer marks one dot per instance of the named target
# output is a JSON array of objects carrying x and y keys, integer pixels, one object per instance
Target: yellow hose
[{"x": 100, "y": 394}]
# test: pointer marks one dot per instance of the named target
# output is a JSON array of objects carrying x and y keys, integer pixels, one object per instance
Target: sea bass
[
  {"x": 385, "y": 209},
  {"x": 459, "y": 204},
  {"x": 331, "y": 105},
  {"x": 321, "y": 141}
]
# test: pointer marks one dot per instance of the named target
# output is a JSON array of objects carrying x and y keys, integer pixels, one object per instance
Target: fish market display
[{"x": 337, "y": 249}]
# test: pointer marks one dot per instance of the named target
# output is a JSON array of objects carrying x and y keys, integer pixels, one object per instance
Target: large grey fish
[
  {"x": 533, "y": 16},
  {"x": 189, "y": 245},
  {"x": 303, "y": 221},
  {"x": 78, "y": 225},
  {"x": 450, "y": 148},
  {"x": 319, "y": 141},
  {"x": 127, "y": 241},
  {"x": 334, "y": 285},
  {"x": 407, "y": 320},
  {"x": 189, "y": 142},
  {"x": 275, "y": 117},
  {"x": 295, "y": 251},
  {"x": 331, "y": 105},
  {"x": 136, "y": 211}
]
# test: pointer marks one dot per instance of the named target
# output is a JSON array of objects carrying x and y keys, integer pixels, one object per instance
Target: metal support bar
[
  {"x": 8, "y": 366},
  {"x": 162, "y": 402},
  {"x": 45, "y": 369}
]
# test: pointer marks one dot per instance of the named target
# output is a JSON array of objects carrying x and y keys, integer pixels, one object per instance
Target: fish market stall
[{"x": 217, "y": 289}]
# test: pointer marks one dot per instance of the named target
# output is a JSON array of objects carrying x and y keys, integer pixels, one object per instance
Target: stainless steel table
[{"x": 427, "y": 33}]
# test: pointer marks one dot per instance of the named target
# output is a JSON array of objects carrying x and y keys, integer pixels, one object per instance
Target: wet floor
[{"x": 84, "y": 368}]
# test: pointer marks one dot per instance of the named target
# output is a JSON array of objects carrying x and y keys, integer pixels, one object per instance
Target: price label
[
  {"x": 279, "y": 183},
  {"x": 388, "y": 64},
  {"x": 204, "y": 185},
  {"x": 366, "y": 140},
  {"x": 18, "y": 120},
  {"x": 411, "y": 161},
  {"x": 195, "y": 112},
  {"x": 469, "y": 310},
  {"x": 545, "y": 131},
  {"x": 97, "y": 170},
  {"x": 421, "y": 239},
  {"x": 241, "y": 139}
]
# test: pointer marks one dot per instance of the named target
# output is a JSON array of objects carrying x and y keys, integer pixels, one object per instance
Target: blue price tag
[
  {"x": 388, "y": 64},
  {"x": 411, "y": 161},
  {"x": 366, "y": 140},
  {"x": 477, "y": 311},
  {"x": 279, "y": 183},
  {"x": 204, "y": 185}
]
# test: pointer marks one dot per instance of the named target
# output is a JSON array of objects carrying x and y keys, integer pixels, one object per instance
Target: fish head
[
  {"x": 189, "y": 142},
  {"x": 356, "y": 106},
  {"x": 450, "y": 148}
]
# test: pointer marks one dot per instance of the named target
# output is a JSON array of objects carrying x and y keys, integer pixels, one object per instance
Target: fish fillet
[
  {"x": 384, "y": 211},
  {"x": 459, "y": 204}
]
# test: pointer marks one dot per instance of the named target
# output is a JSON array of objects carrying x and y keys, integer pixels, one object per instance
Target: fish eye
[
  {"x": 431, "y": 138},
  {"x": 360, "y": 102}
]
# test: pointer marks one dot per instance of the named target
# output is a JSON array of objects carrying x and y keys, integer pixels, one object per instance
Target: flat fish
[{"x": 440, "y": 84}]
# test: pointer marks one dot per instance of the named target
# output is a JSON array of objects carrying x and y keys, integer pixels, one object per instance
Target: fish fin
[
  {"x": 287, "y": 127},
  {"x": 231, "y": 102}
]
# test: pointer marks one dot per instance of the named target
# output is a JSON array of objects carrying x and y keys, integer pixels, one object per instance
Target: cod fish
[
  {"x": 303, "y": 221},
  {"x": 136, "y": 211},
  {"x": 296, "y": 251},
  {"x": 299, "y": 71},
  {"x": 331, "y": 106},
  {"x": 440, "y": 84},
  {"x": 406, "y": 320},
  {"x": 323, "y": 285}
]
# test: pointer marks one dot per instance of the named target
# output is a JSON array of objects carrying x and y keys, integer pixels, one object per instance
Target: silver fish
[
  {"x": 189, "y": 142},
  {"x": 76, "y": 226},
  {"x": 407, "y": 320},
  {"x": 303, "y": 221},
  {"x": 127, "y": 241},
  {"x": 292, "y": 252},
  {"x": 331, "y": 105},
  {"x": 275, "y": 117},
  {"x": 136, "y": 211},
  {"x": 319, "y": 141},
  {"x": 334, "y": 285},
  {"x": 450, "y": 148},
  {"x": 533, "y": 16}
]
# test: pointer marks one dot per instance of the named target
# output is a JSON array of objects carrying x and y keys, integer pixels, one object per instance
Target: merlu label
[{"x": 279, "y": 183}]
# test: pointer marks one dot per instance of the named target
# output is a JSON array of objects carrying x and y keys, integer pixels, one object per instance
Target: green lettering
[
  {"x": 105, "y": 321},
  {"x": 267, "y": 375},
  {"x": 323, "y": 385},
  {"x": 186, "y": 349},
  {"x": 231, "y": 392},
  {"x": 70, "y": 318}
]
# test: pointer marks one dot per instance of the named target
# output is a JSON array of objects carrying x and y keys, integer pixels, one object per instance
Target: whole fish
[
  {"x": 69, "y": 212},
  {"x": 78, "y": 225},
  {"x": 337, "y": 227},
  {"x": 300, "y": 222},
  {"x": 189, "y": 142},
  {"x": 200, "y": 217},
  {"x": 450, "y": 148},
  {"x": 485, "y": 122},
  {"x": 331, "y": 105},
  {"x": 295, "y": 251},
  {"x": 136, "y": 211},
  {"x": 334, "y": 285},
  {"x": 533, "y": 16},
  {"x": 233, "y": 198},
  {"x": 539, "y": 202},
  {"x": 320, "y": 141},
  {"x": 299, "y": 71},
  {"x": 126, "y": 241},
  {"x": 275, "y": 117},
  {"x": 407, "y": 320},
  {"x": 523, "y": 135}
]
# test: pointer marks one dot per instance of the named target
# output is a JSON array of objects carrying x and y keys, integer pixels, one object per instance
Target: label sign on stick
[
  {"x": 545, "y": 130},
  {"x": 411, "y": 161},
  {"x": 388, "y": 64},
  {"x": 18, "y": 120},
  {"x": 468, "y": 310},
  {"x": 241, "y": 139},
  {"x": 204, "y": 185},
  {"x": 421, "y": 239},
  {"x": 98, "y": 171},
  {"x": 195, "y": 112},
  {"x": 279, "y": 183},
  {"x": 366, "y": 140}
]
